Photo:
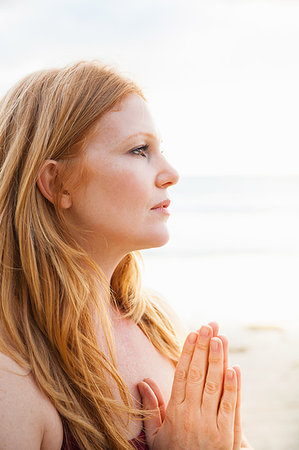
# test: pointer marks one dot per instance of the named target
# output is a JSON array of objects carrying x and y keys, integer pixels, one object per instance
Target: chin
[{"x": 155, "y": 241}]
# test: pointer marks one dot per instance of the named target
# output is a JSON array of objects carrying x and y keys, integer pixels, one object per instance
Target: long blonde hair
[{"x": 46, "y": 294}]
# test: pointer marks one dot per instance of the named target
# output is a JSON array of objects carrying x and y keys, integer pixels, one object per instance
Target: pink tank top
[{"x": 69, "y": 442}]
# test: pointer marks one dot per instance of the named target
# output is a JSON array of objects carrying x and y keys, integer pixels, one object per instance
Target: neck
[
  {"x": 105, "y": 255},
  {"x": 107, "y": 266}
]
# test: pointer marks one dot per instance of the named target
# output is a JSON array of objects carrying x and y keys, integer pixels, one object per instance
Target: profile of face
[{"x": 126, "y": 176}]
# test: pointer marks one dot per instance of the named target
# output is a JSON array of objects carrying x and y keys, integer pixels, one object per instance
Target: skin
[
  {"x": 123, "y": 183},
  {"x": 204, "y": 409}
]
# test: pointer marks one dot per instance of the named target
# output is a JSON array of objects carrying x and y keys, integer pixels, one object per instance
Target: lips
[{"x": 163, "y": 204}]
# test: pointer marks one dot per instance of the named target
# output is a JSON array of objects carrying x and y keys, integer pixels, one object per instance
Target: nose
[{"x": 167, "y": 176}]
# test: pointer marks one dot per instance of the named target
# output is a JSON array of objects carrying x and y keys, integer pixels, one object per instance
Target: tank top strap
[{"x": 140, "y": 442}]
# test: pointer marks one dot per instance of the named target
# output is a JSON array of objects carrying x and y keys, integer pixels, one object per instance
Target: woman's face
[{"x": 124, "y": 181}]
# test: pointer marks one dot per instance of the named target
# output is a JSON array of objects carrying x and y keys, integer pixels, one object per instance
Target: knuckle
[
  {"x": 180, "y": 374},
  {"x": 211, "y": 387},
  {"x": 238, "y": 428},
  {"x": 188, "y": 351},
  {"x": 201, "y": 345},
  {"x": 214, "y": 359},
  {"x": 227, "y": 406},
  {"x": 231, "y": 388},
  {"x": 195, "y": 375}
]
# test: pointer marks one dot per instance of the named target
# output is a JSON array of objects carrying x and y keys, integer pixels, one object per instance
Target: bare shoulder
[
  {"x": 26, "y": 415},
  {"x": 178, "y": 324}
]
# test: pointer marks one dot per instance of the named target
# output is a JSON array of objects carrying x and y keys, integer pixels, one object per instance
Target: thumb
[{"x": 149, "y": 400}]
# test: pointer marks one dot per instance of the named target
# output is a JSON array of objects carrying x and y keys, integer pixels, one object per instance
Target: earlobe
[
  {"x": 65, "y": 201},
  {"x": 46, "y": 181}
]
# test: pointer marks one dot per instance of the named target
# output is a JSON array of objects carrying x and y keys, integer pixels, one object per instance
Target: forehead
[{"x": 129, "y": 118}]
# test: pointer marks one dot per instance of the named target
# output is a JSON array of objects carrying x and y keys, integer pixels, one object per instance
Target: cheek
[
  {"x": 134, "y": 192},
  {"x": 117, "y": 190},
  {"x": 128, "y": 189}
]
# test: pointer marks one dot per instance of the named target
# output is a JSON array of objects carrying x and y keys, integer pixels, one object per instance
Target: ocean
[{"x": 233, "y": 253}]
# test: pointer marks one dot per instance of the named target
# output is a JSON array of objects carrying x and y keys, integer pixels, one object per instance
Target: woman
[{"x": 84, "y": 349}]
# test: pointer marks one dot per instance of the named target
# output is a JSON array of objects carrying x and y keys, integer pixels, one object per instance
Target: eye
[{"x": 141, "y": 151}]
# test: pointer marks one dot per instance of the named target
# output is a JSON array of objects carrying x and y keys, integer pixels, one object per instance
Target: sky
[{"x": 221, "y": 77}]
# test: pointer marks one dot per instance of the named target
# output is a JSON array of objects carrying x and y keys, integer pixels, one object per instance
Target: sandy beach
[
  {"x": 265, "y": 345},
  {"x": 234, "y": 258},
  {"x": 269, "y": 360}
]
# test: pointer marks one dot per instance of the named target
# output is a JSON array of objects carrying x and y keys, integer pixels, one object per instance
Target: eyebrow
[{"x": 150, "y": 135}]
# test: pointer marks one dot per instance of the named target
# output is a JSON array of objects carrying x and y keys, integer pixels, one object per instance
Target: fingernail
[
  {"x": 192, "y": 338},
  {"x": 230, "y": 374},
  {"x": 214, "y": 346},
  {"x": 140, "y": 389},
  {"x": 204, "y": 331}
]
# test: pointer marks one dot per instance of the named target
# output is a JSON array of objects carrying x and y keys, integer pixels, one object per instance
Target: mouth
[{"x": 162, "y": 205}]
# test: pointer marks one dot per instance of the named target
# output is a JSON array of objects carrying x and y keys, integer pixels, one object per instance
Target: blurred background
[{"x": 222, "y": 81}]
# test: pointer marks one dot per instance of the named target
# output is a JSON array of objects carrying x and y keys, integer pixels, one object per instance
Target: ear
[{"x": 46, "y": 180}]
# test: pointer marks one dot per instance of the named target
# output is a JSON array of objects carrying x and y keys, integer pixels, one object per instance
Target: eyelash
[{"x": 142, "y": 149}]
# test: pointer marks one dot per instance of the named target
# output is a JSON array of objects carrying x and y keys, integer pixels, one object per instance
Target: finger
[
  {"x": 225, "y": 351},
  {"x": 180, "y": 375},
  {"x": 198, "y": 367},
  {"x": 214, "y": 380},
  {"x": 238, "y": 424},
  {"x": 153, "y": 422},
  {"x": 161, "y": 403},
  {"x": 227, "y": 408},
  {"x": 215, "y": 328}
]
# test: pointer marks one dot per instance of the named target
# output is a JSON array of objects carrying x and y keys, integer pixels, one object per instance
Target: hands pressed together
[{"x": 203, "y": 412}]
